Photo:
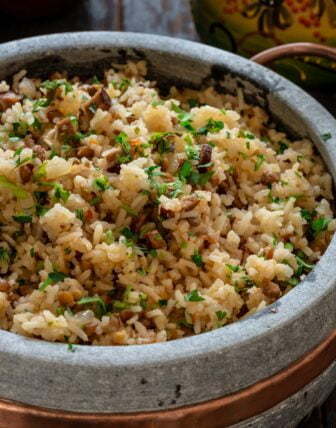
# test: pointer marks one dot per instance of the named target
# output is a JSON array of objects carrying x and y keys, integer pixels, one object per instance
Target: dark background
[{"x": 167, "y": 17}]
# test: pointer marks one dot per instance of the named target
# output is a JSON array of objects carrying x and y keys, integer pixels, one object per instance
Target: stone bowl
[{"x": 269, "y": 369}]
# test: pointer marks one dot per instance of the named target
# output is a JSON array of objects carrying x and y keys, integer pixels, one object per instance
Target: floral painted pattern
[{"x": 270, "y": 14}]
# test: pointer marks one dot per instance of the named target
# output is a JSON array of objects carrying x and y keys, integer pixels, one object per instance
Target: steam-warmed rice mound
[{"x": 131, "y": 218}]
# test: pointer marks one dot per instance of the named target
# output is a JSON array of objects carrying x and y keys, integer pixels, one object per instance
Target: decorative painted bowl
[
  {"x": 269, "y": 369},
  {"x": 248, "y": 27}
]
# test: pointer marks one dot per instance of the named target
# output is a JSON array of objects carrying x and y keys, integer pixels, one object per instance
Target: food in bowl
[{"x": 130, "y": 218}]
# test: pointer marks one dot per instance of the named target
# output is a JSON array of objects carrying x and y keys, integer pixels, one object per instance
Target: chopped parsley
[
  {"x": 185, "y": 170},
  {"x": 141, "y": 271},
  {"x": 293, "y": 281},
  {"x": 131, "y": 238},
  {"x": 192, "y": 102},
  {"x": 221, "y": 315},
  {"x": 249, "y": 136},
  {"x": 95, "y": 80},
  {"x": 52, "y": 85},
  {"x": 289, "y": 246},
  {"x": 260, "y": 160},
  {"x": 17, "y": 191},
  {"x": 185, "y": 323},
  {"x": 316, "y": 225},
  {"x": 196, "y": 178},
  {"x": 20, "y": 129},
  {"x": 233, "y": 268},
  {"x": 53, "y": 278},
  {"x": 184, "y": 117},
  {"x": 156, "y": 103},
  {"x": 122, "y": 85},
  {"x": 4, "y": 256},
  {"x": 197, "y": 259},
  {"x": 19, "y": 161},
  {"x": 193, "y": 152},
  {"x": 282, "y": 147},
  {"x": 101, "y": 183},
  {"x": 22, "y": 218},
  {"x": 40, "y": 210},
  {"x": 153, "y": 252},
  {"x": 42, "y": 102},
  {"x": 71, "y": 347},
  {"x": 79, "y": 212},
  {"x": 101, "y": 308},
  {"x": 95, "y": 201},
  {"x": 162, "y": 142},
  {"x": 212, "y": 127},
  {"x": 153, "y": 171},
  {"x": 327, "y": 136},
  {"x": 193, "y": 296},
  {"x": 302, "y": 263},
  {"x": 200, "y": 179},
  {"x": 37, "y": 124},
  {"x": 129, "y": 210},
  {"x": 41, "y": 171},
  {"x": 175, "y": 188},
  {"x": 60, "y": 194},
  {"x": 122, "y": 139},
  {"x": 320, "y": 225},
  {"x": 118, "y": 305}
]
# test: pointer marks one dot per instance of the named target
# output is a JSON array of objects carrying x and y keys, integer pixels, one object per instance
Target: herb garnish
[
  {"x": 101, "y": 308},
  {"x": 53, "y": 278},
  {"x": 233, "y": 268},
  {"x": 42, "y": 102},
  {"x": 193, "y": 296},
  {"x": 71, "y": 347},
  {"x": 212, "y": 127},
  {"x": 327, "y": 136},
  {"x": 22, "y": 218},
  {"x": 260, "y": 160},
  {"x": 102, "y": 183},
  {"x": 17, "y": 191},
  {"x": 320, "y": 225},
  {"x": 161, "y": 140},
  {"x": 221, "y": 315},
  {"x": 79, "y": 212},
  {"x": 197, "y": 259},
  {"x": 52, "y": 85},
  {"x": 60, "y": 193},
  {"x": 4, "y": 256},
  {"x": 193, "y": 152},
  {"x": 282, "y": 147}
]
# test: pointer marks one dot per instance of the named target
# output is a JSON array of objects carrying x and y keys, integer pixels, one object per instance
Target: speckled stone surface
[
  {"x": 290, "y": 412},
  {"x": 198, "y": 368}
]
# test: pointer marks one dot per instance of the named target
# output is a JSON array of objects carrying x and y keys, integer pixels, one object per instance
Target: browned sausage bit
[
  {"x": 26, "y": 172},
  {"x": 100, "y": 100},
  {"x": 155, "y": 239},
  {"x": 53, "y": 114},
  {"x": 8, "y": 99},
  {"x": 65, "y": 129},
  {"x": 85, "y": 152},
  {"x": 205, "y": 157},
  {"x": 40, "y": 152}
]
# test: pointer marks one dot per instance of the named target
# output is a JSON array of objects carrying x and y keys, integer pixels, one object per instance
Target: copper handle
[{"x": 294, "y": 49}]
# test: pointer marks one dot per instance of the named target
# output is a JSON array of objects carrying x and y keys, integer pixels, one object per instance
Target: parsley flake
[{"x": 193, "y": 296}]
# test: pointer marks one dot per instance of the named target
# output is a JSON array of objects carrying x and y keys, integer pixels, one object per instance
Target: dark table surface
[{"x": 167, "y": 17}]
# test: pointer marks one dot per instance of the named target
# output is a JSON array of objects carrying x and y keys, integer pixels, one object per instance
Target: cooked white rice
[{"x": 130, "y": 218}]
